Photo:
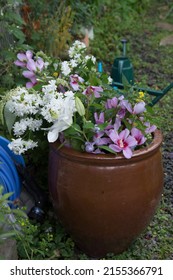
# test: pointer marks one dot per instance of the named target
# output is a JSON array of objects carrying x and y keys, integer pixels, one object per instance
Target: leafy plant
[
  {"x": 5, "y": 232},
  {"x": 12, "y": 39},
  {"x": 43, "y": 241},
  {"x": 48, "y": 25}
]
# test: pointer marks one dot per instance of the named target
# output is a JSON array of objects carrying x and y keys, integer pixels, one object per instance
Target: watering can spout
[{"x": 124, "y": 41}]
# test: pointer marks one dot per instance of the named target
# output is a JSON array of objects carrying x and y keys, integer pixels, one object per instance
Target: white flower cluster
[
  {"x": 23, "y": 103},
  {"x": 21, "y": 126},
  {"x": 76, "y": 48},
  {"x": 76, "y": 55},
  {"x": 20, "y": 146},
  {"x": 56, "y": 108}
]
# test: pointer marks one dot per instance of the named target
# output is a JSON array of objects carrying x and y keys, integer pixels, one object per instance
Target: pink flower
[
  {"x": 117, "y": 123},
  {"x": 125, "y": 104},
  {"x": 139, "y": 108},
  {"x": 99, "y": 140},
  {"x": 35, "y": 65},
  {"x": 99, "y": 119},
  {"x": 150, "y": 128},
  {"x": 26, "y": 61},
  {"x": 30, "y": 75},
  {"x": 122, "y": 142},
  {"x": 93, "y": 90},
  {"x": 111, "y": 103},
  {"x": 23, "y": 58},
  {"x": 75, "y": 80},
  {"x": 137, "y": 134}
]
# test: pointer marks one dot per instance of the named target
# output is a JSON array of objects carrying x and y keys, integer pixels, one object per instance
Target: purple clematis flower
[
  {"x": 137, "y": 134},
  {"x": 122, "y": 142},
  {"x": 75, "y": 80},
  {"x": 93, "y": 90}
]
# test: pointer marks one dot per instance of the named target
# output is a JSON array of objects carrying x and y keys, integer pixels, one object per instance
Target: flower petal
[
  {"x": 52, "y": 136},
  {"x": 20, "y": 63},
  {"x": 29, "y": 54},
  {"x": 31, "y": 65},
  {"x": 29, "y": 85},
  {"x": 113, "y": 135},
  {"x": 28, "y": 74},
  {"x": 131, "y": 141},
  {"x": 139, "y": 108},
  {"x": 127, "y": 152},
  {"x": 21, "y": 57},
  {"x": 124, "y": 134},
  {"x": 115, "y": 148}
]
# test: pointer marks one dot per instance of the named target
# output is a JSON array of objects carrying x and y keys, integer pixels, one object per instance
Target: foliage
[
  {"x": 52, "y": 26},
  {"x": 8, "y": 226},
  {"x": 12, "y": 39},
  {"x": 115, "y": 20},
  {"x": 48, "y": 25},
  {"x": 43, "y": 241},
  {"x": 4, "y": 210}
]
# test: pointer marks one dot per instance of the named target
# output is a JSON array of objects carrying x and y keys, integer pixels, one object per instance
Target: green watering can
[{"x": 123, "y": 67}]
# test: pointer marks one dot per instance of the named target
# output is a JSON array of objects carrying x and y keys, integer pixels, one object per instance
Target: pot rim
[{"x": 75, "y": 155}]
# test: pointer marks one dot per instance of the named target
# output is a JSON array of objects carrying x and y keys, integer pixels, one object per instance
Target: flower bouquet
[{"x": 72, "y": 102}]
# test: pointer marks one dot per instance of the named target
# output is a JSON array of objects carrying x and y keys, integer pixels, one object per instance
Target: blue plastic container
[{"x": 9, "y": 177}]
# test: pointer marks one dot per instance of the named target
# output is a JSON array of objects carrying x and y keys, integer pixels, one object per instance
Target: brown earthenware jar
[{"x": 105, "y": 201}]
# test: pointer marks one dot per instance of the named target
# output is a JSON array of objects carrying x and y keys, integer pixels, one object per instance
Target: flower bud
[{"x": 80, "y": 107}]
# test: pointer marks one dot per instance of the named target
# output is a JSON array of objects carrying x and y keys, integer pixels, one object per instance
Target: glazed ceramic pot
[{"x": 105, "y": 201}]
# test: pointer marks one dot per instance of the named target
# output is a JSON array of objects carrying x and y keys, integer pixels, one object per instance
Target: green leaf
[
  {"x": 5, "y": 197},
  {"x": 127, "y": 124},
  {"x": 106, "y": 148},
  {"x": 76, "y": 144},
  {"x": 9, "y": 117},
  {"x": 7, "y": 234},
  {"x": 15, "y": 18},
  {"x": 125, "y": 82},
  {"x": 72, "y": 130},
  {"x": 18, "y": 33},
  {"x": 19, "y": 213},
  {"x": 88, "y": 125}
]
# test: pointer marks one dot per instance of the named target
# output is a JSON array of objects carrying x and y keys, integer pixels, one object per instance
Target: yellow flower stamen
[{"x": 55, "y": 74}]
